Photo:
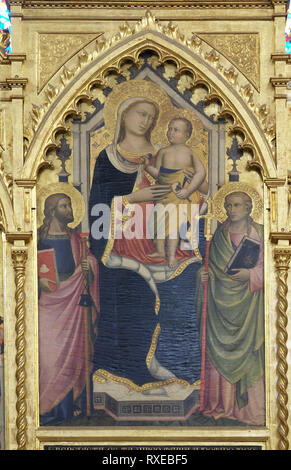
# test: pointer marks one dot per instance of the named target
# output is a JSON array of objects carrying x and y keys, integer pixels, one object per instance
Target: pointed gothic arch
[{"x": 62, "y": 102}]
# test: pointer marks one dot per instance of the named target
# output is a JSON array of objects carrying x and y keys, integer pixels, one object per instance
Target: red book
[{"x": 47, "y": 267}]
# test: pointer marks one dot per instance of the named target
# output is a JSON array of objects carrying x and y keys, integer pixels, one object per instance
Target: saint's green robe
[{"x": 235, "y": 320}]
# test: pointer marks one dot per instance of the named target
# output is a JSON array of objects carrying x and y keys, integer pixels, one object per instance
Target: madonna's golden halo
[
  {"x": 131, "y": 89},
  {"x": 76, "y": 197},
  {"x": 148, "y": 90},
  {"x": 228, "y": 188}
]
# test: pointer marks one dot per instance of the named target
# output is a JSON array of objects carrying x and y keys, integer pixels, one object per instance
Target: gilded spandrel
[{"x": 133, "y": 337}]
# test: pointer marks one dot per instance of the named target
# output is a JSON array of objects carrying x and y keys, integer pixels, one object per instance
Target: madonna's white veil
[{"x": 114, "y": 156}]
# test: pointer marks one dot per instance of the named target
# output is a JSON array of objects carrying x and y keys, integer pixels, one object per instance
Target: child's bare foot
[
  {"x": 157, "y": 254},
  {"x": 172, "y": 261}
]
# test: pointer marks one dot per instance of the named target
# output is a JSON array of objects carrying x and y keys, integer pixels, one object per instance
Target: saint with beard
[
  {"x": 62, "y": 355},
  {"x": 55, "y": 233}
]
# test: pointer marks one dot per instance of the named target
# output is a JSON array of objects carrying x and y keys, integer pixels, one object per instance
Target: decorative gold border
[
  {"x": 19, "y": 258},
  {"x": 255, "y": 83},
  {"x": 149, "y": 24},
  {"x": 282, "y": 257},
  {"x": 43, "y": 83},
  {"x": 138, "y": 388},
  {"x": 146, "y": 4},
  {"x": 262, "y": 436}
]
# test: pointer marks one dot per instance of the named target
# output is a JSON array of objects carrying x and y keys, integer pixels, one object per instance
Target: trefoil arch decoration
[{"x": 191, "y": 63}]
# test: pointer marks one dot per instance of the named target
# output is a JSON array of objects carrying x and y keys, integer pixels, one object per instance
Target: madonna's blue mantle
[{"x": 127, "y": 318}]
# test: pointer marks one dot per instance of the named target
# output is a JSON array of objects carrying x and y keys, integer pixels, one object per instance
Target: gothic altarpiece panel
[{"x": 145, "y": 228}]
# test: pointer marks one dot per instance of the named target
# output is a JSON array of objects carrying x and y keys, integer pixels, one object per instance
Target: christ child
[{"x": 170, "y": 167}]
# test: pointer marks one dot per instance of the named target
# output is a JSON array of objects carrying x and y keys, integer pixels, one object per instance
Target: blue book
[{"x": 245, "y": 256}]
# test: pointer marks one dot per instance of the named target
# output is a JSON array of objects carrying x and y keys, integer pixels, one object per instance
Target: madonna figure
[{"x": 147, "y": 333}]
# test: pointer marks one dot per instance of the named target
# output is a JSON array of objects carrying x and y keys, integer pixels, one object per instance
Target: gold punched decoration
[
  {"x": 242, "y": 49},
  {"x": 78, "y": 204},
  {"x": 55, "y": 49},
  {"x": 225, "y": 190}
]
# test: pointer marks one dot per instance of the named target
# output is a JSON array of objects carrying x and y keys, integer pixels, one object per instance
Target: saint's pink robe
[{"x": 62, "y": 358}]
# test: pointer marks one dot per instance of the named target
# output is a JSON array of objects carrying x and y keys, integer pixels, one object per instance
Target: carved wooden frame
[{"x": 47, "y": 121}]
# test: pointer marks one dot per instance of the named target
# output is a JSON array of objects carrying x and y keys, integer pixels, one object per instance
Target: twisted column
[
  {"x": 19, "y": 257},
  {"x": 282, "y": 258}
]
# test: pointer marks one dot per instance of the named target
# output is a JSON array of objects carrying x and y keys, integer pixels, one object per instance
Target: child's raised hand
[{"x": 144, "y": 161}]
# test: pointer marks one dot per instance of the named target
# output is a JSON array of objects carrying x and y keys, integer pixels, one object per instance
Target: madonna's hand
[{"x": 150, "y": 193}]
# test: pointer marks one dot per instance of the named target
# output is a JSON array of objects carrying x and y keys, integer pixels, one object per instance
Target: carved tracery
[{"x": 191, "y": 76}]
